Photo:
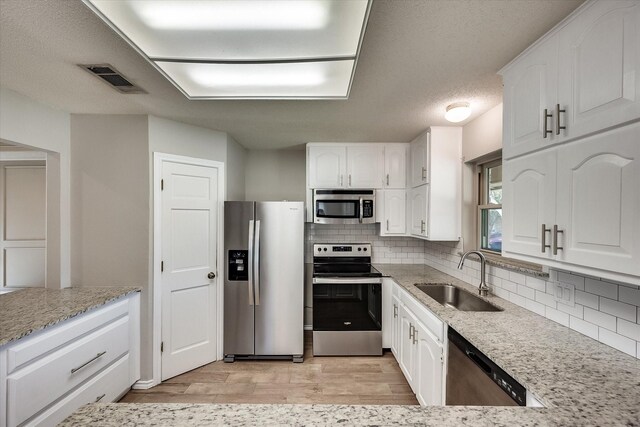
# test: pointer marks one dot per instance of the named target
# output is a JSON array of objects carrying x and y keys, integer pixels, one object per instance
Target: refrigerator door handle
[
  {"x": 250, "y": 266},
  {"x": 256, "y": 263}
]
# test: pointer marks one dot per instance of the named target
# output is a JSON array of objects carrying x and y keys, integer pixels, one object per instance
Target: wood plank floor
[{"x": 331, "y": 380}]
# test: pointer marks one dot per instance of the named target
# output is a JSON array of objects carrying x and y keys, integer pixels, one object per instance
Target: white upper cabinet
[
  {"x": 418, "y": 210},
  {"x": 529, "y": 194},
  {"x": 530, "y": 91},
  {"x": 326, "y": 166},
  {"x": 395, "y": 165},
  {"x": 365, "y": 165},
  {"x": 599, "y": 68},
  {"x": 581, "y": 78},
  {"x": 420, "y": 160},
  {"x": 599, "y": 201},
  {"x": 394, "y": 220}
]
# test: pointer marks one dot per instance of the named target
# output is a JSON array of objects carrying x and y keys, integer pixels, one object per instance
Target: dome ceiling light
[{"x": 458, "y": 112}]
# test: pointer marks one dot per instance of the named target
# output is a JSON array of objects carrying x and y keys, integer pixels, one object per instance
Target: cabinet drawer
[
  {"x": 34, "y": 387},
  {"x": 105, "y": 387},
  {"x": 54, "y": 337},
  {"x": 430, "y": 320}
]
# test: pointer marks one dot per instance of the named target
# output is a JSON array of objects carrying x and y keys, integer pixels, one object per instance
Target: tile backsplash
[{"x": 603, "y": 310}]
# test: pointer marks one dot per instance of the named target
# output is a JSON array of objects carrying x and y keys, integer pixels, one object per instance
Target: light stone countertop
[
  {"x": 26, "y": 311},
  {"x": 582, "y": 381}
]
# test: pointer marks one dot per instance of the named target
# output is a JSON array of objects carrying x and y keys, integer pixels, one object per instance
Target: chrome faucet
[{"x": 483, "y": 289}]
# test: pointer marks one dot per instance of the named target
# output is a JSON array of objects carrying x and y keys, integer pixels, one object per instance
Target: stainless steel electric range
[{"x": 347, "y": 301}]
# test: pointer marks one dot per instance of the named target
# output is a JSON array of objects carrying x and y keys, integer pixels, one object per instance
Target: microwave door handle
[
  {"x": 361, "y": 213},
  {"x": 250, "y": 262}
]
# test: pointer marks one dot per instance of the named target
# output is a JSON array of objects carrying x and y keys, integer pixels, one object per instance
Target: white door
[
  {"x": 429, "y": 372},
  {"x": 327, "y": 167},
  {"x": 418, "y": 213},
  {"x": 528, "y": 202},
  {"x": 395, "y": 208},
  {"x": 420, "y": 160},
  {"x": 23, "y": 198},
  {"x": 395, "y": 166},
  {"x": 190, "y": 206},
  {"x": 365, "y": 166},
  {"x": 530, "y": 88},
  {"x": 599, "y": 83},
  {"x": 599, "y": 201}
]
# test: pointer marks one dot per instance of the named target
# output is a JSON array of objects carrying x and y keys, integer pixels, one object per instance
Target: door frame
[{"x": 156, "y": 339}]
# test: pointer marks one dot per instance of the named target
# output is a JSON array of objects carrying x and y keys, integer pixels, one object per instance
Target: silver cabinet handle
[
  {"x": 415, "y": 336},
  {"x": 558, "y": 127},
  {"x": 250, "y": 261},
  {"x": 99, "y": 398},
  {"x": 387, "y": 180},
  {"x": 411, "y": 329},
  {"x": 349, "y": 180},
  {"x": 556, "y": 231},
  {"x": 387, "y": 225},
  {"x": 543, "y": 239},
  {"x": 422, "y": 226},
  {"x": 340, "y": 180},
  {"x": 424, "y": 173},
  {"x": 211, "y": 275},
  {"x": 256, "y": 263},
  {"x": 545, "y": 128},
  {"x": 98, "y": 356},
  {"x": 395, "y": 311}
]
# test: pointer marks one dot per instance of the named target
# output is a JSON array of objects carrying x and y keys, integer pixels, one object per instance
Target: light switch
[{"x": 565, "y": 293}]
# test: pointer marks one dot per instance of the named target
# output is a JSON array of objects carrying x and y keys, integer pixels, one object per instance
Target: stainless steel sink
[{"x": 451, "y": 296}]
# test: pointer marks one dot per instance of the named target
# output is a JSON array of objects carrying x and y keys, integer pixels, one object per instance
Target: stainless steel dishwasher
[{"x": 474, "y": 380}]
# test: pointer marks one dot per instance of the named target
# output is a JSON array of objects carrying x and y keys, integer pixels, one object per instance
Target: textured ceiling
[{"x": 417, "y": 57}]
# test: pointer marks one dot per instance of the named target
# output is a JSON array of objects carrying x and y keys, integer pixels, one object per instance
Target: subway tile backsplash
[{"x": 605, "y": 311}]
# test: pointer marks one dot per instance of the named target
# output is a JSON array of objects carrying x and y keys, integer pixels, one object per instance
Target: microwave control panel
[{"x": 367, "y": 208}]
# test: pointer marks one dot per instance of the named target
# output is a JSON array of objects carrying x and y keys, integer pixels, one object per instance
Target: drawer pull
[
  {"x": 99, "y": 355},
  {"x": 99, "y": 398}
]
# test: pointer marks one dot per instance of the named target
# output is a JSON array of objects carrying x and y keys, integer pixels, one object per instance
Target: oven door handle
[{"x": 346, "y": 281}]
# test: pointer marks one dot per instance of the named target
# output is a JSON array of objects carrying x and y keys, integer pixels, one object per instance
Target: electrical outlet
[{"x": 565, "y": 293}]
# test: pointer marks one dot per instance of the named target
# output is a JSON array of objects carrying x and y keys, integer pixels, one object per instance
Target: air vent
[{"x": 111, "y": 76}]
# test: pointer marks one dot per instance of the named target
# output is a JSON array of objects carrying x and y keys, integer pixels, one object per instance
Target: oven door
[{"x": 347, "y": 305}]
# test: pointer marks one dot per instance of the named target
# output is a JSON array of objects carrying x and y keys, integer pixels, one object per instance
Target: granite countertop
[
  {"x": 26, "y": 311},
  {"x": 582, "y": 381}
]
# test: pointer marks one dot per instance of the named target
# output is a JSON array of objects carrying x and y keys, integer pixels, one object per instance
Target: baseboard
[
  {"x": 308, "y": 327},
  {"x": 144, "y": 385}
]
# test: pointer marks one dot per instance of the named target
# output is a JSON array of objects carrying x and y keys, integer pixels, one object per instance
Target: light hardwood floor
[{"x": 332, "y": 380}]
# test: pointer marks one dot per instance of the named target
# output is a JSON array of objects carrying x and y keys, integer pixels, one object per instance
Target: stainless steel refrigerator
[{"x": 264, "y": 280}]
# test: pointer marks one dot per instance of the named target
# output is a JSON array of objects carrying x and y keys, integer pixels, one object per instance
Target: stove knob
[
  {"x": 365, "y": 249},
  {"x": 359, "y": 249},
  {"x": 325, "y": 249}
]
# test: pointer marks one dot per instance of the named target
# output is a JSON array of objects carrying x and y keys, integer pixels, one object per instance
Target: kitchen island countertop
[{"x": 581, "y": 381}]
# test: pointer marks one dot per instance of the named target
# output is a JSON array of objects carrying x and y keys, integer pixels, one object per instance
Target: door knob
[{"x": 211, "y": 275}]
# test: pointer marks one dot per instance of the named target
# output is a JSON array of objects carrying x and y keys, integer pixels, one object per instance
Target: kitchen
[{"x": 566, "y": 281}]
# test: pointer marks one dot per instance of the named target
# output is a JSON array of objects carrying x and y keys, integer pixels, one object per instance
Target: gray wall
[
  {"x": 275, "y": 175},
  {"x": 235, "y": 168}
]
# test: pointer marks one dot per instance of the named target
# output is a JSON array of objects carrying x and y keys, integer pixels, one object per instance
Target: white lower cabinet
[
  {"x": 417, "y": 342},
  {"x": 92, "y": 357}
]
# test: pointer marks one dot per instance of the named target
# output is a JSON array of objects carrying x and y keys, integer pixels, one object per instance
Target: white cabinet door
[
  {"x": 418, "y": 210},
  {"x": 365, "y": 166},
  {"x": 530, "y": 87},
  {"x": 327, "y": 166},
  {"x": 395, "y": 166},
  {"x": 407, "y": 347},
  {"x": 599, "y": 83},
  {"x": 599, "y": 201},
  {"x": 420, "y": 160},
  {"x": 395, "y": 218},
  {"x": 529, "y": 200},
  {"x": 395, "y": 324},
  {"x": 429, "y": 362},
  {"x": 387, "y": 312}
]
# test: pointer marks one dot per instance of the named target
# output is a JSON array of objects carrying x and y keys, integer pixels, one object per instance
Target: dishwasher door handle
[{"x": 478, "y": 361}]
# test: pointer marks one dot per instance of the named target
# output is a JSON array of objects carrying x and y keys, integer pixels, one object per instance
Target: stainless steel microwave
[{"x": 344, "y": 206}]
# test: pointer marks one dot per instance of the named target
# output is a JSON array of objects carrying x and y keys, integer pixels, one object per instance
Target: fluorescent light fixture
[
  {"x": 458, "y": 112},
  {"x": 183, "y": 38},
  {"x": 283, "y": 80},
  {"x": 232, "y": 15}
]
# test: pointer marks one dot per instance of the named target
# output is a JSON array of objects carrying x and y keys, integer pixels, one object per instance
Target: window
[{"x": 490, "y": 206}]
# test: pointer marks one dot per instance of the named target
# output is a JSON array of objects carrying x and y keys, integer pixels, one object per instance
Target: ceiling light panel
[
  {"x": 318, "y": 79},
  {"x": 238, "y": 30}
]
